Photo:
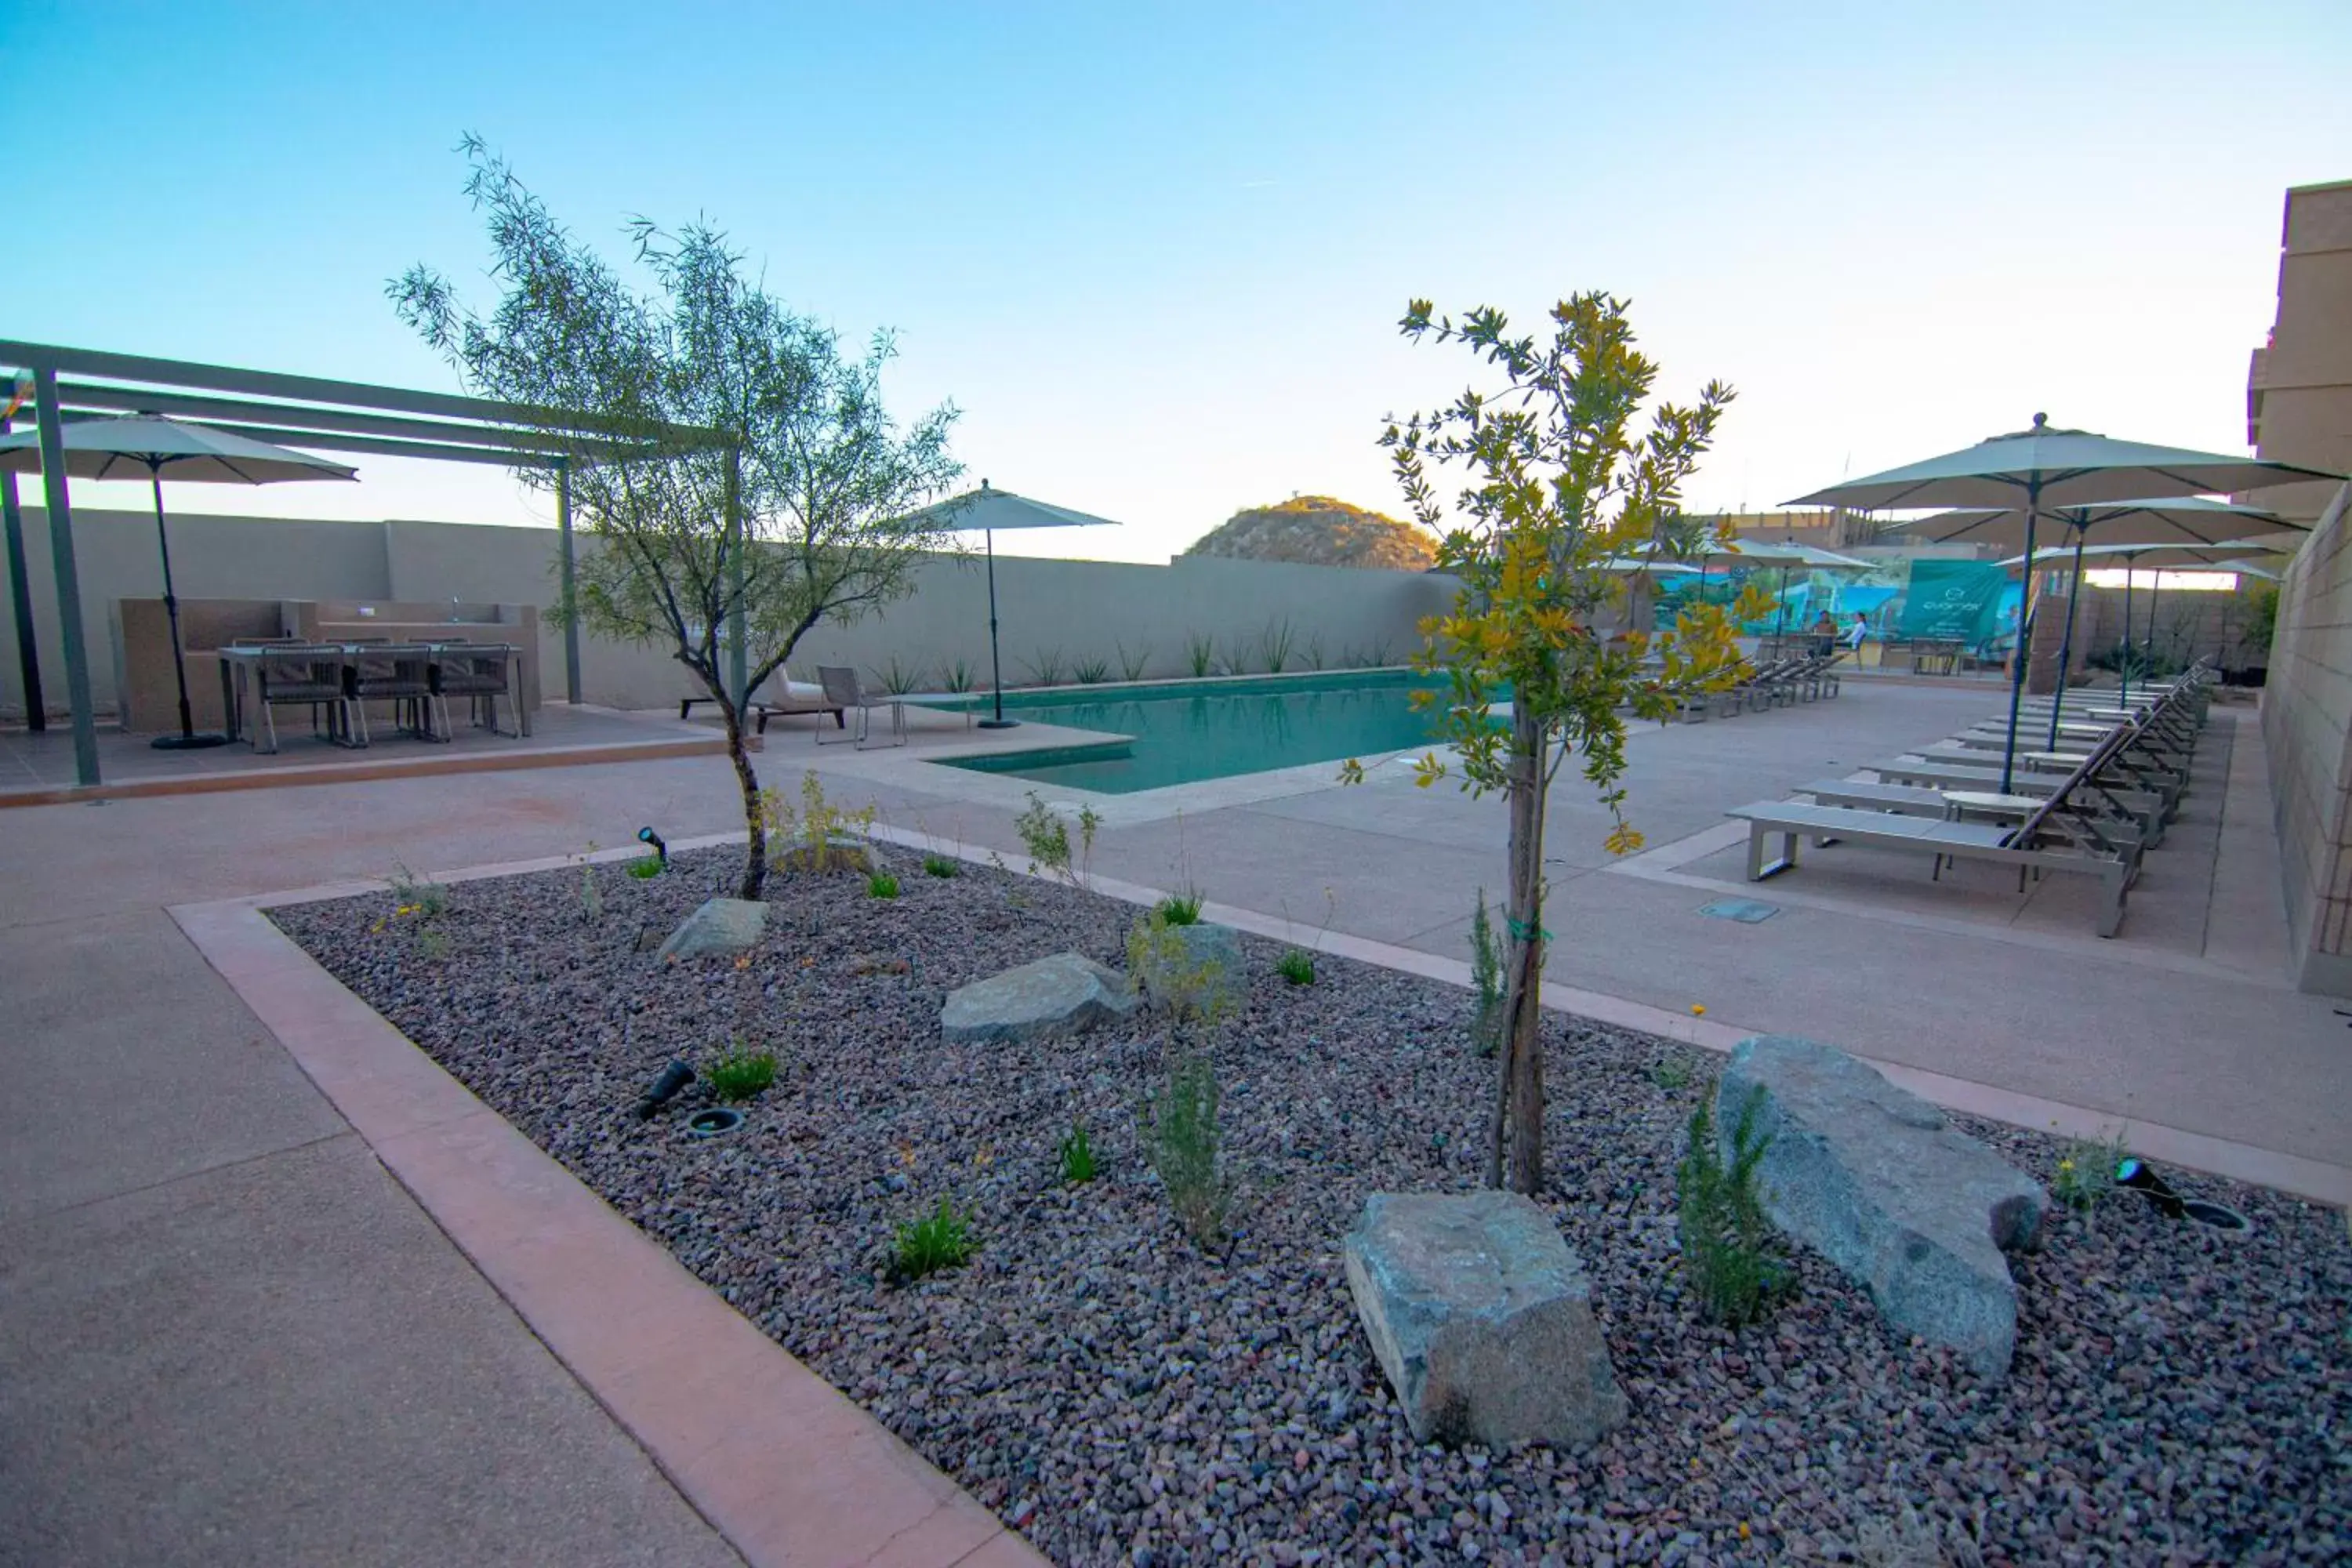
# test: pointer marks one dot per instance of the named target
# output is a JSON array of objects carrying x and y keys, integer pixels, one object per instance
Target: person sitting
[
  {"x": 1857, "y": 632},
  {"x": 1825, "y": 634}
]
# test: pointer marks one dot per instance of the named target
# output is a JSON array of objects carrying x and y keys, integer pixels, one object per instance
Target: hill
[{"x": 1319, "y": 531}]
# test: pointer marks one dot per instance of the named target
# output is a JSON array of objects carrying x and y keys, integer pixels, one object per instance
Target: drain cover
[{"x": 1746, "y": 912}]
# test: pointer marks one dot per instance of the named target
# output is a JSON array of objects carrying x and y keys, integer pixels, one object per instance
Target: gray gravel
[{"x": 2178, "y": 1395}]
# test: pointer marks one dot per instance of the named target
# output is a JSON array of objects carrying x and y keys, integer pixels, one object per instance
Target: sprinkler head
[{"x": 647, "y": 835}]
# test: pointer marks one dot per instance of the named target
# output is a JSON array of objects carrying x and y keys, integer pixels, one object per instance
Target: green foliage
[
  {"x": 2086, "y": 1174},
  {"x": 2261, "y": 615},
  {"x": 898, "y": 679},
  {"x": 882, "y": 885},
  {"x": 804, "y": 836},
  {"x": 1671, "y": 1076},
  {"x": 1131, "y": 666},
  {"x": 1729, "y": 1253},
  {"x": 1090, "y": 671},
  {"x": 1180, "y": 909},
  {"x": 1297, "y": 966},
  {"x": 740, "y": 1073},
  {"x": 956, "y": 676},
  {"x": 939, "y": 865},
  {"x": 416, "y": 898},
  {"x": 1276, "y": 645},
  {"x": 1185, "y": 1142},
  {"x": 644, "y": 867},
  {"x": 1486, "y": 980},
  {"x": 1191, "y": 990},
  {"x": 433, "y": 946},
  {"x": 1046, "y": 837},
  {"x": 1046, "y": 670},
  {"x": 1199, "y": 655},
  {"x": 592, "y": 901},
  {"x": 1077, "y": 1156},
  {"x": 735, "y": 464},
  {"x": 940, "y": 1239}
]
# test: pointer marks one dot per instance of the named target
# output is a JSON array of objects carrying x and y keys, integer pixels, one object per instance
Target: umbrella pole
[
  {"x": 995, "y": 668},
  {"x": 187, "y": 738},
  {"x": 2067, "y": 642},
  {"x": 2020, "y": 649},
  {"x": 2155, "y": 591},
  {"x": 2123, "y": 665}
]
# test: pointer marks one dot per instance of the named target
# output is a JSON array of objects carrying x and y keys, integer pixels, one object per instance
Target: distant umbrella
[{"x": 149, "y": 444}]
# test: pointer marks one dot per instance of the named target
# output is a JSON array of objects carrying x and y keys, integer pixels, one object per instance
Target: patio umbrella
[
  {"x": 988, "y": 510},
  {"x": 123, "y": 448},
  {"x": 2036, "y": 469},
  {"x": 2181, "y": 522},
  {"x": 2157, "y": 558}
]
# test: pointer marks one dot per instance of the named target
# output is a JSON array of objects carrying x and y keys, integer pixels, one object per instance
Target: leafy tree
[
  {"x": 739, "y": 469},
  {"x": 1558, "y": 486}
]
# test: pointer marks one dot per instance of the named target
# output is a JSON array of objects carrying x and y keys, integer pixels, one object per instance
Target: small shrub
[
  {"x": 1090, "y": 671},
  {"x": 940, "y": 1239},
  {"x": 1046, "y": 670},
  {"x": 956, "y": 676},
  {"x": 1727, "y": 1249},
  {"x": 1046, "y": 837},
  {"x": 1181, "y": 909},
  {"x": 1275, "y": 646},
  {"x": 1297, "y": 966},
  {"x": 592, "y": 902},
  {"x": 1077, "y": 1156},
  {"x": 433, "y": 946},
  {"x": 426, "y": 900},
  {"x": 1199, "y": 655},
  {"x": 742, "y": 1073},
  {"x": 2086, "y": 1174},
  {"x": 1313, "y": 652},
  {"x": 805, "y": 835},
  {"x": 1672, "y": 1076},
  {"x": 646, "y": 868},
  {"x": 1487, "y": 980},
  {"x": 1162, "y": 964},
  {"x": 939, "y": 866},
  {"x": 1181, "y": 1121},
  {"x": 1131, "y": 666},
  {"x": 898, "y": 679},
  {"x": 882, "y": 885}
]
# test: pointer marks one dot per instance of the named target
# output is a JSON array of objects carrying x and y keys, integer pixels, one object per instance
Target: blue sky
[{"x": 1156, "y": 253}]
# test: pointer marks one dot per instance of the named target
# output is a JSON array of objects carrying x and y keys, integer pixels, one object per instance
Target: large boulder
[
  {"x": 1482, "y": 1318},
  {"x": 719, "y": 926},
  {"x": 1875, "y": 1180},
  {"x": 1057, "y": 995}
]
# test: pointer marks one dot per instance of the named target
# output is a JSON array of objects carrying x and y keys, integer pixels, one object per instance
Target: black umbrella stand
[
  {"x": 187, "y": 740},
  {"x": 995, "y": 665}
]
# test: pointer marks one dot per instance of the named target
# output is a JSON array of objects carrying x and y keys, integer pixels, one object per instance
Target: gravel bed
[{"x": 2178, "y": 1395}]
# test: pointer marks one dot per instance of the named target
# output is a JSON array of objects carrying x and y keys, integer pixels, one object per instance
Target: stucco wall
[
  {"x": 2307, "y": 732},
  {"x": 1076, "y": 609}
]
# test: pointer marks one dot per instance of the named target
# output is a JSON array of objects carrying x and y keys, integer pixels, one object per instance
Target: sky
[{"x": 1156, "y": 254}]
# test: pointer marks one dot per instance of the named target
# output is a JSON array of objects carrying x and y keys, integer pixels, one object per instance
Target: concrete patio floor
[{"x": 230, "y": 1337}]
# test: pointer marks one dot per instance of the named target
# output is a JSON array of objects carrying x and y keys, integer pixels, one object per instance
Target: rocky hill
[{"x": 1320, "y": 531}]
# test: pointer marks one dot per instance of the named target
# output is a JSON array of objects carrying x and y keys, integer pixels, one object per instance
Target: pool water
[{"x": 1186, "y": 732}]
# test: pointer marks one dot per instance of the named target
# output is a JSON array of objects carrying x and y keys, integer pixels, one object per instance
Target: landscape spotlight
[{"x": 647, "y": 835}]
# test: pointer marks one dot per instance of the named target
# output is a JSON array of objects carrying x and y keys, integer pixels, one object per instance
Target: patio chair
[
  {"x": 477, "y": 672},
  {"x": 401, "y": 676},
  {"x": 842, "y": 690},
  {"x": 299, "y": 676}
]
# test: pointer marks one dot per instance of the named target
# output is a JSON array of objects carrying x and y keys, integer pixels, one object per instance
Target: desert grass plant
[
  {"x": 1277, "y": 646},
  {"x": 1046, "y": 670},
  {"x": 881, "y": 885},
  {"x": 939, "y": 865},
  {"x": 940, "y": 1239},
  {"x": 956, "y": 676},
  {"x": 1131, "y": 666},
  {"x": 1671, "y": 1076},
  {"x": 1486, "y": 980},
  {"x": 1180, "y": 909},
  {"x": 806, "y": 837},
  {"x": 1728, "y": 1254},
  {"x": 416, "y": 898},
  {"x": 1199, "y": 655},
  {"x": 433, "y": 946},
  {"x": 740, "y": 1073},
  {"x": 646, "y": 868},
  {"x": 1077, "y": 1156},
  {"x": 1312, "y": 651},
  {"x": 592, "y": 901},
  {"x": 2086, "y": 1174},
  {"x": 1297, "y": 966},
  {"x": 1090, "y": 671},
  {"x": 1185, "y": 1144},
  {"x": 897, "y": 678}
]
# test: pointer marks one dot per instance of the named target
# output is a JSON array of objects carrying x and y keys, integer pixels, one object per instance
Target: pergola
[{"x": 298, "y": 411}]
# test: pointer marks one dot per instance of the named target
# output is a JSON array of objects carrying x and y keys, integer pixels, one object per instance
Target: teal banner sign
[{"x": 1956, "y": 599}]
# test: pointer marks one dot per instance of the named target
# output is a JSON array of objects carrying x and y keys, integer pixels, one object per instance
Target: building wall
[{"x": 1065, "y": 610}]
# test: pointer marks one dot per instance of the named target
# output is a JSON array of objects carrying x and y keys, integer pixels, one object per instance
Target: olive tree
[
  {"x": 1561, "y": 492},
  {"x": 733, "y": 464}
]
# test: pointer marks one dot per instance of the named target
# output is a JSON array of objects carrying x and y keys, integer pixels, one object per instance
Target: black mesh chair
[
  {"x": 391, "y": 673},
  {"x": 477, "y": 672},
  {"x": 300, "y": 676}
]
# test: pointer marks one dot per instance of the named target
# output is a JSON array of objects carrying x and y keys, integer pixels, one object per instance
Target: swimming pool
[{"x": 1185, "y": 731}]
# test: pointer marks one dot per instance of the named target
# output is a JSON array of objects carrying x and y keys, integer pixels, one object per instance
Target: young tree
[
  {"x": 1560, "y": 490},
  {"x": 735, "y": 466}
]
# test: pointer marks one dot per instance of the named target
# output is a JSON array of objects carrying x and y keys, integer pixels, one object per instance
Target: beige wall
[{"x": 1079, "y": 609}]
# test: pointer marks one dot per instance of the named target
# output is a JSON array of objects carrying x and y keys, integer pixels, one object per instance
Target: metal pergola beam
[{"x": 305, "y": 411}]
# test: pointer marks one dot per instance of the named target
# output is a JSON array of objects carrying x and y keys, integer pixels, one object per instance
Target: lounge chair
[
  {"x": 841, "y": 689},
  {"x": 783, "y": 695}
]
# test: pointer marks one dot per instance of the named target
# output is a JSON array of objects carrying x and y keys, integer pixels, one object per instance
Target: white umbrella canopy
[
  {"x": 988, "y": 510},
  {"x": 2190, "y": 521},
  {"x": 150, "y": 446},
  {"x": 2041, "y": 469},
  {"x": 2149, "y": 557}
]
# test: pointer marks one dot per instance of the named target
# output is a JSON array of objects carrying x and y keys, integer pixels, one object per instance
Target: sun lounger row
[{"x": 1800, "y": 678}]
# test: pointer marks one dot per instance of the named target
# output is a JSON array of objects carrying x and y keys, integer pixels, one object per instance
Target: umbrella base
[
  {"x": 187, "y": 743},
  {"x": 998, "y": 725}
]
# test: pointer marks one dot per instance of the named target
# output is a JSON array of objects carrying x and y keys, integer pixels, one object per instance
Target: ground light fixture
[
  {"x": 647, "y": 835},
  {"x": 665, "y": 1088}
]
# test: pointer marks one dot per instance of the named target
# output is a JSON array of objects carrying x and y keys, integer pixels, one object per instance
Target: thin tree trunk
[
  {"x": 1514, "y": 1159},
  {"x": 755, "y": 858}
]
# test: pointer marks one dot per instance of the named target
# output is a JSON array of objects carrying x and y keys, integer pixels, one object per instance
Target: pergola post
[
  {"x": 61, "y": 559},
  {"x": 20, "y": 598},
  {"x": 569, "y": 565}
]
